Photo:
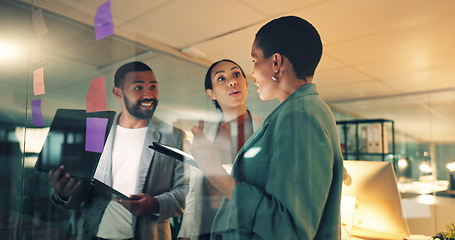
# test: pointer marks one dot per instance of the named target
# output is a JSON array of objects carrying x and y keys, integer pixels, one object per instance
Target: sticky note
[
  {"x": 36, "y": 113},
  {"x": 35, "y": 51},
  {"x": 95, "y": 134},
  {"x": 104, "y": 26},
  {"x": 38, "y": 22},
  {"x": 38, "y": 81},
  {"x": 96, "y": 96}
]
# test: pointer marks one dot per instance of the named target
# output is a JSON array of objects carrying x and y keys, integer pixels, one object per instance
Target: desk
[
  {"x": 412, "y": 237},
  {"x": 421, "y": 187},
  {"x": 428, "y": 214}
]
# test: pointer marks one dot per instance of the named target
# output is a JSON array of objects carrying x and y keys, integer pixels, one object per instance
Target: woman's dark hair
[
  {"x": 294, "y": 38},
  {"x": 119, "y": 78},
  {"x": 208, "y": 77}
]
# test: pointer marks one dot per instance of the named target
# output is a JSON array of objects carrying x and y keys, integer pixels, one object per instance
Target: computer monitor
[{"x": 371, "y": 204}]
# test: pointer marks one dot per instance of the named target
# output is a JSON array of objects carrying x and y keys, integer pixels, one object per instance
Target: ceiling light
[
  {"x": 451, "y": 166},
  {"x": 424, "y": 167},
  {"x": 402, "y": 163},
  {"x": 9, "y": 51},
  {"x": 193, "y": 52},
  {"x": 32, "y": 137}
]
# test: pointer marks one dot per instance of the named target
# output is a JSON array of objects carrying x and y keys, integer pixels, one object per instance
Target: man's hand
[
  {"x": 63, "y": 184},
  {"x": 141, "y": 204}
]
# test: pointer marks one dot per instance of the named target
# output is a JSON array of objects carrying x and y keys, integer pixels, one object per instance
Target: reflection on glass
[{"x": 72, "y": 57}]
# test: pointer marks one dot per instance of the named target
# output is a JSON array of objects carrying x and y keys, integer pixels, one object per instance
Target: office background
[{"x": 382, "y": 60}]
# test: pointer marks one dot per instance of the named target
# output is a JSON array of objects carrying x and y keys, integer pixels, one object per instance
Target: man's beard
[{"x": 135, "y": 109}]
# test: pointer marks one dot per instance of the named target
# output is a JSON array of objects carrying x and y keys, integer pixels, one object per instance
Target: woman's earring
[{"x": 276, "y": 78}]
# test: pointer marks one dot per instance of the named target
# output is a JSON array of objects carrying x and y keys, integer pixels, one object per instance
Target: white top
[
  {"x": 126, "y": 154},
  {"x": 117, "y": 221}
]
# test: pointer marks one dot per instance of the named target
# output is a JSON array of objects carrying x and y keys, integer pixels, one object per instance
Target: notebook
[{"x": 66, "y": 145}]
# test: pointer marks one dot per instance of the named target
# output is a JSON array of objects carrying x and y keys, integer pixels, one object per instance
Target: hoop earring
[{"x": 276, "y": 79}]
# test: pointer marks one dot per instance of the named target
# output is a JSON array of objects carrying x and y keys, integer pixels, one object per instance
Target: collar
[{"x": 305, "y": 90}]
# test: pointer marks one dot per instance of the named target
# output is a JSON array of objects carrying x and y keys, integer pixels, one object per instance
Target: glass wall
[
  {"x": 48, "y": 61},
  {"x": 14, "y": 79}
]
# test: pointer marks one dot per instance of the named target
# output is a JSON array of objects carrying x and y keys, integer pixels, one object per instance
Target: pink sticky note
[
  {"x": 38, "y": 81},
  {"x": 96, "y": 96},
  {"x": 37, "y": 117},
  {"x": 38, "y": 22},
  {"x": 95, "y": 134},
  {"x": 104, "y": 26}
]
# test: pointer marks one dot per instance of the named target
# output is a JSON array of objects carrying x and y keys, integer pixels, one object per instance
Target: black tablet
[
  {"x": 96, "y": 183},
  {"x": 66, "y": 144},
  {"x": 174, "y": 153}
]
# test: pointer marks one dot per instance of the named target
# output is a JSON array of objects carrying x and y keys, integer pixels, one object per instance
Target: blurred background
[{"x": 387, "y": 72}]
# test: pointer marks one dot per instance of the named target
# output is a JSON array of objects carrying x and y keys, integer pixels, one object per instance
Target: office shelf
[{"x": 367, "y": 139}]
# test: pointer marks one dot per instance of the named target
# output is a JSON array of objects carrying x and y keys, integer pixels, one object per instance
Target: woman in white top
[{"x": 226, "y": 85}]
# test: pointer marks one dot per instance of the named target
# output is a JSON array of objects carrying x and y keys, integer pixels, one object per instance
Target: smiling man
[{"x": 155, "y": 183}]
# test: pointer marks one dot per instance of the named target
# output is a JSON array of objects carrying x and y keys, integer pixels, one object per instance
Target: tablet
[
  {"x": 174, "y": 153},
  {"x": 65, "y": 143},
  {"x": 96, "y": 183}
]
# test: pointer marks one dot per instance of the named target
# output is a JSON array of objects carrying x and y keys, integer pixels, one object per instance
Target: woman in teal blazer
[{"x": 286, "y": 180}]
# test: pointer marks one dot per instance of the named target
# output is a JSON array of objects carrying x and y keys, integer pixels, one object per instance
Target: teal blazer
[{"x": 289, "y": 176}]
